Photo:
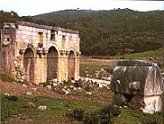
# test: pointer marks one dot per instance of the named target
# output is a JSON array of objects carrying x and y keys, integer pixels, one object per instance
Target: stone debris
[
  {"x": 28, "y": 93},
  {"x": 86, "y": 85},
  {"x": 6, "y": 94},
  {"x": 55, "y": 84},
  {"x": 89, "y": 93},
  {"x": 66, "y": 91},
  {"x": 42, "y": 107},
  {"x": 49, "y": 87},
  {"x": 34, "y": 89},
  {"x": 31, "y": 104},
  {"x": 18, "y": 70},
  {"x": 24, "y": 85},
  {"x": 100, "y": 83}
]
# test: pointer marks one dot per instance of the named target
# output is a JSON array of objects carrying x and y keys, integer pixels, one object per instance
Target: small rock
[
  {"x": 6, "y": 94},
  {"x": 31, "y": 104},
  {"x": 42, "y": 107},
  {"x": 34, "y": 89},
  {"x": 28, "y": 93},
  {"x": 79, "y": 88},
  {"x": 71, "y": 86},
  {"x": 89, "y": 93},
  {"x": 49, "y": 87},
  {"x": 102, "y": 69},
  {"x": 24, "y": 85},
  {"x": 54, "y": 84},
  {"x": 73, "y": 81},
  {"x": 74, "y": 88},
  {"x": 66, "y": 91},
  {"x": 54, "y": 80}
]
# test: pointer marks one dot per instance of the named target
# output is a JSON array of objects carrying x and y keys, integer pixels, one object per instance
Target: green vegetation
[
  {"x": 27, "y": 107},
  {"x": 89, "y": 67},
  {"x": 144, "y": 55},
  {"x": 111, "y": 32},
  {"x": 8, "y": 17},
  {"x": 154, "y": 55},
  {"x": 92, "y": 69},
  {"x": 129, "y": 116},
  {"x": 106, "y": 32},
  {"x": 59, "y": 110}
]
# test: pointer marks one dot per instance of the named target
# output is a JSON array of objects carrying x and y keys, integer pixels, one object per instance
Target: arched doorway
[
  {"x": 28, "y": 63},
  {"x": 71, "y": 66},
  {"x": 52, "y": 63}
]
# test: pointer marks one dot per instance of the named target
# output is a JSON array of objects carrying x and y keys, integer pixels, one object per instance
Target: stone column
[
  {"x": 40, "y": 68},
  {"x": 63, "y": 66},
  {"x": 77, "y": 65}
]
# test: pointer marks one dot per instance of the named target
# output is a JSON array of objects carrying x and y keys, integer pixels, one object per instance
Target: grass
[
  {"x": 144, "y": 55},
  {"x": 129, "y": 116},
  {"x": 156, "y": 56},
  {"x": 58, "y": 108},
  {"x": 92, "y": 67},
  {"x": 88, "y": 67},
  {"x": 27, "y": 107}
]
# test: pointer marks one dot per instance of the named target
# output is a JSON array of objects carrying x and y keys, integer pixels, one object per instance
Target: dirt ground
[{"x": 101, "y": 96}]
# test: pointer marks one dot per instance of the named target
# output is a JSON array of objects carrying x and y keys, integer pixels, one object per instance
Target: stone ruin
[
  {"x": 37, "y": 53},
  {"x": 138, "y": 84}
]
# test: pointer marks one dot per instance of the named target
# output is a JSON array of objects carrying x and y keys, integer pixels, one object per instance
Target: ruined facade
[
  {"x": 138, "y": 84},
  {"x": 37, "y": 53}
]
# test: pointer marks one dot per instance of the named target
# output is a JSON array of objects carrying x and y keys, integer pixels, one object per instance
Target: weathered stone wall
[
  {"x": 7, "y": 52},
  {"x": 38, "y": 38}
]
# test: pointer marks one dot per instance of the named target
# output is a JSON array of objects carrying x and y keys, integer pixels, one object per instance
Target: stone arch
[
  {"x": 71, "y": 65},
  {"x": 53, "y": 45},
  {"x": 52, "y": 63},
  {"x": 28, "y": 63}
]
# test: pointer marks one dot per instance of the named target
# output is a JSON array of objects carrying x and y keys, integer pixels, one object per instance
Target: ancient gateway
[{"x": 38, "y": 53}]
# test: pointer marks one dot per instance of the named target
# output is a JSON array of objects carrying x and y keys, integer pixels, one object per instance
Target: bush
[
  {"x": 78, "y": 114},
  {"x": 96, "y": 117},
  {"x": 115, "y": 111},
  {"x": 156, "y": 118},
  {"x": 12, "y": 98},
  {"x": 91, "y": 118},
  {"x": 118, "y": 99}
]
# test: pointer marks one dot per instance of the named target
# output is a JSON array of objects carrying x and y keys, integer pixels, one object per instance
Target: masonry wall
[
  {"x": 7, "y": 50},
  {"x": 29, "y": 37}
]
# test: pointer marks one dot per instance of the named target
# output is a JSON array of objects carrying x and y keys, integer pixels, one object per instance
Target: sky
[{"x": 34, "y": 7}]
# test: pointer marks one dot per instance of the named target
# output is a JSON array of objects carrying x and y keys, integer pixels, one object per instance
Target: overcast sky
[{"x": 33, "y": 7}]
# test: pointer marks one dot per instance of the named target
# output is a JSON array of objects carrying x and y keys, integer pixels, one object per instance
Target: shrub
[
  {"x": 156, "y": 118},
  {"x": 118, "y": 99},
  {"x": 91, "y": 118},
  {"x": 78, "y": 114},
  {"x": 12, "y": 98},
  {"x": 115, "y": 110}
]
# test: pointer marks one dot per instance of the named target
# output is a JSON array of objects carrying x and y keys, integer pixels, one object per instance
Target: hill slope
[{"x": 111, "y": 32}]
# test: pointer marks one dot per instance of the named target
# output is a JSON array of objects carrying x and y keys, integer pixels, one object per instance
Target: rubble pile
[
  {"x": 100, "y": 73},
  {"x": 86, "y": 85},
  {"x": 18, "y": 70}
]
